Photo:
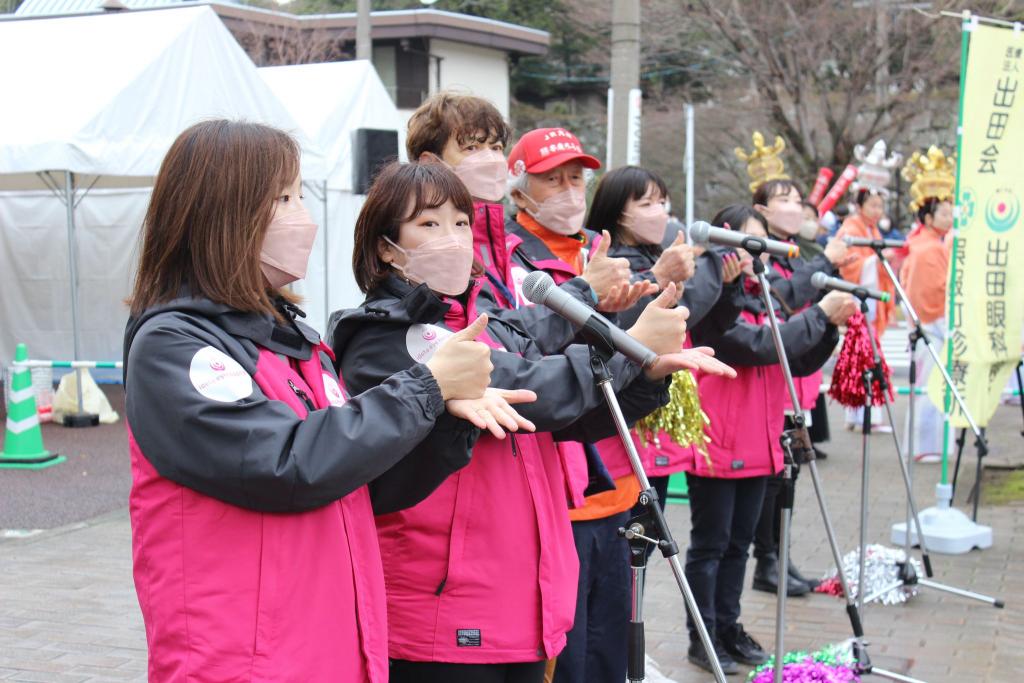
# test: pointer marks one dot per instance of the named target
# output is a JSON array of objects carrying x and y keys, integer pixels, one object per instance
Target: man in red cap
[{"x": 548, "y": 178}]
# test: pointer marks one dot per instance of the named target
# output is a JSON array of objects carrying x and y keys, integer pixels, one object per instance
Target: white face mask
[
  {"x": 562, "y": 212},
  {"x": 809, "y": 229}
]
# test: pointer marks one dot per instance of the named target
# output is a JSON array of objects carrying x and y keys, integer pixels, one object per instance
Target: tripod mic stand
[
  {"x": 805, "y": 453},
  {"x": 917, "y": 334},
  {"x": 649, "y": 528}
]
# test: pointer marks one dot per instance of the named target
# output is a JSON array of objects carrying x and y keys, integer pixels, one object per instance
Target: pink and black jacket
[
  {"x": 484, "y": 570},
  {"x": 747, "y": 413},
  {"x": 706, "y": 297},
  {"x": 255, "y": 552}
]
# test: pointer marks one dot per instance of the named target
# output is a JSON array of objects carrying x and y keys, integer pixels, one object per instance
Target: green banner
[{"x": 986, "y": 285}]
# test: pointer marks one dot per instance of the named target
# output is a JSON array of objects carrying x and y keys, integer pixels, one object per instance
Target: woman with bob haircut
[
  {"x": 481, "y": 575},
  {"x": 255, "y": 553}
]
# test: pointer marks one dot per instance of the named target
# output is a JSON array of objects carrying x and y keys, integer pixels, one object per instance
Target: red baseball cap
[{"x": 543, "y": 149}]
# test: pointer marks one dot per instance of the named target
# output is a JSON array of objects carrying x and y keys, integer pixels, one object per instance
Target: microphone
[
  {"x": 539, "y": 288},
  {"x": 822, "y": 281},
  {"x": 872, "y": 243},
  {"x": 702, "y": 233}
]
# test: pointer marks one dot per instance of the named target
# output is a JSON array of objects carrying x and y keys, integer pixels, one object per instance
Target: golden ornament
[
  {"x": 763, "y": 163},
  {"x": 932, "y": 174}
]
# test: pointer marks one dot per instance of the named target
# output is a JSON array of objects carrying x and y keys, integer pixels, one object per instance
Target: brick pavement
[{"x": 68, "y": 610}]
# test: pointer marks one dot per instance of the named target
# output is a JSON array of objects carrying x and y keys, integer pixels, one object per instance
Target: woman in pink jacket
[
  {"x": 255, "y": 553},
  {"x": 745, "y": 424},
  {"x": 481, "y": 575}
]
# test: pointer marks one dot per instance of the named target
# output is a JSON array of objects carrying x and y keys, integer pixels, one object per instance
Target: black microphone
[
  {"x": 702, "y": 233},
  {"x": 822, "y": 281},
  {"x": 539, "y": 288},
  {"x": 872, "y": 243}
]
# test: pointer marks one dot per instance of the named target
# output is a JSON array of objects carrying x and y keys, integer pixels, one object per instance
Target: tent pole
[
  {"x": 327, "y": 262},
  {"x": 69, "y": 196}
]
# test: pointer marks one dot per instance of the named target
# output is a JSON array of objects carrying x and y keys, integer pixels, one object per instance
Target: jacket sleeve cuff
[
  {"x": 580, "y": 289},
  {"x": 428, "y": 388}
]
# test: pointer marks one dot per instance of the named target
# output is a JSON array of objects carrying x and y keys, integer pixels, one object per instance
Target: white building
[{"x": 416, "y": 52}]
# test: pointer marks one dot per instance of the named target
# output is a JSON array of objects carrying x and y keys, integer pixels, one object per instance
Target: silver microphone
[
  {"x": 703, "y": 233},
  {"x": 872, "y": 243},
  {"x": 539, "y": 288},
  {"x": 822, "y": 281}
]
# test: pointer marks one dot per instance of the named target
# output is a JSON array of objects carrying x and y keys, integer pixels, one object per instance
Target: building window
[{"x": 403, "y": 67}]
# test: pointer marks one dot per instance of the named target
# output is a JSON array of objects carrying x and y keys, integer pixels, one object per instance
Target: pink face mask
[
  {"x": 562, "y": 213},
  {"x": 443, "y": 263},
  {"x": 647, "y": 224},
  {"x": 286, "y": 247},
  {"x": 484, "y": 173},
  {"x": 786, "y": 218}
]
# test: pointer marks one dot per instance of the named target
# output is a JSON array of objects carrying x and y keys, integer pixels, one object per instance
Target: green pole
[{"x": 965, "y": 39}]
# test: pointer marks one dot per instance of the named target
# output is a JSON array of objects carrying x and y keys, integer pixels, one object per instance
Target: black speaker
[{"x": 373, "y": 148}]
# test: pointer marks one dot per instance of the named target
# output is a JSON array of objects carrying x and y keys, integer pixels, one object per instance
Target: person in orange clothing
[
  {"x": 924, "y": 276},
  {"x": 863, "y": 267}
]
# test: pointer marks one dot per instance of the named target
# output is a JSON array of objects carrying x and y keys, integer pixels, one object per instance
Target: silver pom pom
[{"x": 881, "y": 572}]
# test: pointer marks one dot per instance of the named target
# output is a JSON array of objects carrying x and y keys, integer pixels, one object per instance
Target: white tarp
[
  {"x": 106, "y": 94},
  {"x": 102, "y": 95},
  {"x": 330, "y": 102}
]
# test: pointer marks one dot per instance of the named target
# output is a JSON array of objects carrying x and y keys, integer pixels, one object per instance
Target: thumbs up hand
[
  {"x": 676, "y": 264},
  {"x": 462, "y": 366}
]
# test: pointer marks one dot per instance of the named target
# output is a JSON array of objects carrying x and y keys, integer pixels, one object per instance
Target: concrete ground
[{"x": 68, "y": 610}]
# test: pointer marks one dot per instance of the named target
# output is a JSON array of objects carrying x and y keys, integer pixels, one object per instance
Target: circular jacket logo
[
  {"x": 218, "y": 376},
  {"x": 335, "y": 396},
  {"x": 518, "y": 277},
  {"x": 421, "y": 341},
  {"x": 1002, "y": 210}
]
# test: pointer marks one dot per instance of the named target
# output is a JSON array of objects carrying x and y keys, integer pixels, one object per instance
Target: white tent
[
  {"x": 94, "y": 101},
  {"x": 330, "y": 102}
]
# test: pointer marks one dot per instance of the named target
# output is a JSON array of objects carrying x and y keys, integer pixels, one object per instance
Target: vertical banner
[{"x": 986, "y": 286}]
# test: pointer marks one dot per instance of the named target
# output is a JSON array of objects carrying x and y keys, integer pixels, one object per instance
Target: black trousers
[
  {"x": 723, "y": 515},
  {"x": 403, "y": 671},
  {"x": 595, "y": 648},
  {"x": 819, "y": 430}
]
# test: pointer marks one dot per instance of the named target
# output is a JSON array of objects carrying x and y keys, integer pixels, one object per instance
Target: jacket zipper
[
  {"x": 303, "y": 396},
  {"x": 515, "y": 451}
]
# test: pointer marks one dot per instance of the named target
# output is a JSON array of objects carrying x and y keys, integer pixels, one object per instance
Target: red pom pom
[
  {"x": 854, "y": 358},
  {"x": 830, "y": 587}
]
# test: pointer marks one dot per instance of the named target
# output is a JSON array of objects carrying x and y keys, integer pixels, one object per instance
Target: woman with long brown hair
[{"x": 255, "y": 553}]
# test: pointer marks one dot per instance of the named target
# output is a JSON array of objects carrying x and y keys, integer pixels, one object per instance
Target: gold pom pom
[{"x": 682, "y": 419}]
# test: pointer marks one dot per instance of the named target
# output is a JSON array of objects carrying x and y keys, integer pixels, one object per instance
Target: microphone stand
[
  {"x": 648, "y": 528},
  {"x": 804, "y": 454},
  {"x": 906, "y": 462}
]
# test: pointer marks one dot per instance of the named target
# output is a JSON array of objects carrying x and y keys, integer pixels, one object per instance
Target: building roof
[{"x": 416, "y": 23}]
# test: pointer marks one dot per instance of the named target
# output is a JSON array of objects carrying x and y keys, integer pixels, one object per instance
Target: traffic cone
[{"x": 23, "y": 445}]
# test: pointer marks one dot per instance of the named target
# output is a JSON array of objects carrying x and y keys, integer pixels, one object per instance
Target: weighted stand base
[
  {"x": 946, "y": 530},
  {"x": 81, "y": 420}
]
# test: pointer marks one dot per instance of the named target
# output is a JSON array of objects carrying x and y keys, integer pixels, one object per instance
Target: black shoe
[
  {"x": 820, "y": 454},
  {"x": 698, "y": 656},
  {"x": 766, "y": 578},
  {"x": 739, "y": 645},
  {"x": 795, "y": 573}
]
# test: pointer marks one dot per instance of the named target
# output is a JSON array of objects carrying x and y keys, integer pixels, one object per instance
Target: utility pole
[
  {"x": 364, "y": 46},
  {"x": 624, "y": 97}
]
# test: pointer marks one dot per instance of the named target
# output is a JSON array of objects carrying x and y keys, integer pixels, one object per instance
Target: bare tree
[
  {"x": 276, "y": 44},
  {"x": 830, "y": 75}
]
